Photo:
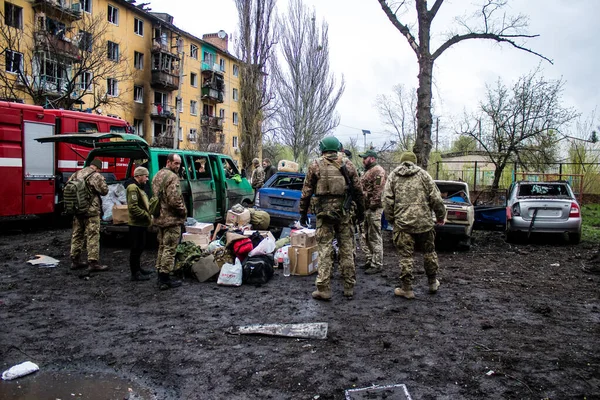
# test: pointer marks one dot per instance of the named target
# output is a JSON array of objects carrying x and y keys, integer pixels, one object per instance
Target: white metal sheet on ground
[{"x": 388, "y": 392}]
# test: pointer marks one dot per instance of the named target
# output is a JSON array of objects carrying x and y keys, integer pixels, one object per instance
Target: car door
[{"x": 202, "y": 187}]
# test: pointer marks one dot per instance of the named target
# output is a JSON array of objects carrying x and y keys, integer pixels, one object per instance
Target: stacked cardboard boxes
[
  {"x": 303, "y": 253},
  {"x": 199, "y": 234}
]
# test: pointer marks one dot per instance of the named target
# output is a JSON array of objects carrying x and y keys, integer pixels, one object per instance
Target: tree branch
[
  {"x": 490, "y": 36},
  {"x": 401, "y": 27},
  {"x": 434, "y": 9}
]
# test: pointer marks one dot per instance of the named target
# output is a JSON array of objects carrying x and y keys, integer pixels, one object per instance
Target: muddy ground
[{"x": 509, "y": 322}]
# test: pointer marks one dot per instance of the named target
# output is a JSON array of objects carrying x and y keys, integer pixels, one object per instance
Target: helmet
[{"x": 329, "y": 143}]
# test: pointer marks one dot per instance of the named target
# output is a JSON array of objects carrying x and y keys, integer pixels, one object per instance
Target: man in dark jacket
[
  {"x": 268, "y": 168},
  {"x": 139, "y": 221},
  {"x": 172, "y": 216}
]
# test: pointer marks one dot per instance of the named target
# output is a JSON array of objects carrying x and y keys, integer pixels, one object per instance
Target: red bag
[{"x": 242, "y": 247}]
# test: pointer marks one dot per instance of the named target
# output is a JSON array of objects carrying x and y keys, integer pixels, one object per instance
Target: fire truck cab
[{"x": 32, "y": 173}]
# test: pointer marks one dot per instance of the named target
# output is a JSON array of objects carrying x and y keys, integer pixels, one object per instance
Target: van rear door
[{"x": 202, "y": 187}]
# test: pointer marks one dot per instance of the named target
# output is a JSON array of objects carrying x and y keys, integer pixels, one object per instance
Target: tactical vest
[{"x": 331, "y": 181}]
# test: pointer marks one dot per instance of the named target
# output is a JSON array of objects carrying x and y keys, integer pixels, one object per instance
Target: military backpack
[{"x": 77, "y": 195}]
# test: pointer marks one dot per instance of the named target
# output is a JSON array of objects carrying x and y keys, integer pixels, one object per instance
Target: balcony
[
  {"x": 211, "y": 67},
  {"x": 163, "y": 141},
  {"x": 165, "y": 80},
  {"x": 56, "y": 44},
  {"x": 211, "y": 94},
  {"x": 209, "y": 121},
  {"x": 162, "y": 111},
  {"x": 162, "y": 46},
  {"x": 65, "y": 10}
]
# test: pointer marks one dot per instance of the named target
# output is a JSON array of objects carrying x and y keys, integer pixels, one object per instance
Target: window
[
  {"x": 222, "y": 64},
  {"x": 85, "y": 41},
  {"x": 138, "y": 60},
  {"x": 180, "y": 134},
  {"x": 192, "y": 135},
  {"x": 86, "y": 5},
  {"x": 113, "y": 51},
  {"x": 13, "y": 15},
  {"x": 113, "y": 15},
  {"x": 194, "y": 51},
  {"x": 87, "y": 127},
  {"x": 111, "y": 87},
  {"x": 138, "y": 126},
  {"x": 235, "y": 94},
  {"x": 236, "y": 70},
  {"x": 85, "y": 82},
  {"x": 235, "y": 119},
  {"x": 201, "y": 165},
  {"x": 194, "y": 79},
  {"x": 138, "y": 27},
  {"x": 208, "y": 58},
  {"x": 14, "y": 61},
  {"x": 193, "y": 107},
  {"x": 235, "y": 141},
  {"x": 222, "y": 113},
  {"x": 138, "y": 94}
]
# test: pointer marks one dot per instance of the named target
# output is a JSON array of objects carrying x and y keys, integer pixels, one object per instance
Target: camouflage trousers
[
  {"x": 372, "y": 244},
  {"x": 405, "y": 243},
  {"x": 86, "y": 234},
  {"x": 168, "y": 239},
  {"x": 326, "y": 232}
]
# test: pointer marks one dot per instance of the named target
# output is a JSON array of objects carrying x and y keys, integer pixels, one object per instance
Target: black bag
[
  {"x": 257, "y": 269},
  {"x": 256, "y": 238}
]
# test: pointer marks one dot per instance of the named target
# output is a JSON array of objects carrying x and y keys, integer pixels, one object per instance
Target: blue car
[{"x": 280, "y": 197}]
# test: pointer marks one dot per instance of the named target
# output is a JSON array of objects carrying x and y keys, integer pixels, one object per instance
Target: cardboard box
[
  {"x": 120, "y": 214},
  {"x": 265, "y": 234},
  {"x": 199, "y": 239},
  {"x": 303, "y": 238},
  {"x": 200, "y": 228},
  {"x": 303, "y": 260},
  {"x": 240, "y": 219}
]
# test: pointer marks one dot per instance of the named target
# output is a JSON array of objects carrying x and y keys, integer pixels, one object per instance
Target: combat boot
[
  {"x": 434, "y": 284},
  {"x": 146, "y": 271},
  {"x": 76, "y": 262},
  {"x": 322, "y": 294},
  {"x": 366, "y": 265},
  {"x": 348, "y": 292},
  {"x": 139, "y": 276},
  {"x": 166, "y": 282},
  {"x": 96, "y": 267},
  {"x": 405, "y": 291},
  {"x": 373, "y": 271}
]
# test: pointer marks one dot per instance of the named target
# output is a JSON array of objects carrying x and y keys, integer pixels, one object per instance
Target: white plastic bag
[
  {"x": 19, "y": 370},
  {"x": 282, "y": 253},
  {"x": 231, "y": 274},
  {"x": 266, "y": 246}
]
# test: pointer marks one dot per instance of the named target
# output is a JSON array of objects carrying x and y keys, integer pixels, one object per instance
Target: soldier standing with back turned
[
  {"x": 331, "y": 180},
  {"x": 173, "y": 213},
  {"x": 373, "y": 182}
]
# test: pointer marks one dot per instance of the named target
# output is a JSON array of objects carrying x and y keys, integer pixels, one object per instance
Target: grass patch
[{"x": 591, "y": 223}]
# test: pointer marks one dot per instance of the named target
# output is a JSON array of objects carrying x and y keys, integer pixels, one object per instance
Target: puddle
[{"x": 63, "y": 386}]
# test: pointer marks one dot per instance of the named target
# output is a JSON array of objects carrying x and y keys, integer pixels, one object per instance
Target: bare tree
[
  {"x": 490, "y": 22},
  {"x": 307, "y": 90},
  {"x": 60, "y": 66},
  {"x": 398, "y": 113},
  {"x": 520, "y": 122},
  {"x": 255, "y": 49}
]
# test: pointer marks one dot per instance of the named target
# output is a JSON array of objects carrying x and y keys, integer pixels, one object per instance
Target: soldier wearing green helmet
[{"x": 330, "y": 178}]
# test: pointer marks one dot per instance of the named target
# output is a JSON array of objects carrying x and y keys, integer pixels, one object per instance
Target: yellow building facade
[{"x": 175, "y": 89}]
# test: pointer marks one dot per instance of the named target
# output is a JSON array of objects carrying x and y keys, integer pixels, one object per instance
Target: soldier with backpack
[{"x": 82, "y": 200}]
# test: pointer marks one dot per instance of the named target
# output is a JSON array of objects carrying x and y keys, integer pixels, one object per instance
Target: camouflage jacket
[
  {"x": 258, "y": 178},
  {"x": 373, "y": 183},
  {"x": 172, "y": 207},
  {"x": 137, "y": 205},
  {"x": 313, "y": 175},
  {"x": 410, "y": 199},
  {"x": 97, "y": 185}
]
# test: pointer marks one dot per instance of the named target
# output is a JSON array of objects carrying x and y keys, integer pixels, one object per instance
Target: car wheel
[
  {"x": 465, "y": 245},
  {"x": 574, "y": 237},
  {"x": 511, "y": 236}
]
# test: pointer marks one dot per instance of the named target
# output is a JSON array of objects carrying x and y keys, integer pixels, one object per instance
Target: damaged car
[{"x": 460, "y": 214}]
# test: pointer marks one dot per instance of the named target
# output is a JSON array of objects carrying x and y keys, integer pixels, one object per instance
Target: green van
[{"x": 210, "y": 182}]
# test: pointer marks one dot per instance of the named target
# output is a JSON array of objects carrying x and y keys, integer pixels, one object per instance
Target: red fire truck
[{"x": 32, "y": 174}]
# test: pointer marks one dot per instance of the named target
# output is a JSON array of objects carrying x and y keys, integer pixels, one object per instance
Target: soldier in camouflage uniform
[
  {"x": 258, "y": 175},
  {"x": 139, "y": 221},
  {"x": 325, "y": 179},
  {"x": 410, "y": 198},
  {"x": 86, "y": 227},
  {"x": 173, "y": 213},
  {"x": 373, "y": 182}
]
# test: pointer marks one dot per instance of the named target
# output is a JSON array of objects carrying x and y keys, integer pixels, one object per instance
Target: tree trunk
[{"x": 497, "y": 175}]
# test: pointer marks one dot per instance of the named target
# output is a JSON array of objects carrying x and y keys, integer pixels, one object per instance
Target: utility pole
[
  {"x": 437, "y": 131},
  {"x": 365, "y": 133},
  {"x": 178, "y": 99}
]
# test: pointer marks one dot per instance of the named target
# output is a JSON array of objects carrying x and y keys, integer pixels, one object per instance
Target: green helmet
[{"x": 329, "y": 143}]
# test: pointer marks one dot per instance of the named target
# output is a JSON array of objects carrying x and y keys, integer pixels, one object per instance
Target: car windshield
[
  {"x": 543, "y": 190},
  {"x": 291, "y": 182},
  {"x": 453, "y": 192}
]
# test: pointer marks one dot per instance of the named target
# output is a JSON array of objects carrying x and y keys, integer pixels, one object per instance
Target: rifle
[{"x": 360, "y": 211}]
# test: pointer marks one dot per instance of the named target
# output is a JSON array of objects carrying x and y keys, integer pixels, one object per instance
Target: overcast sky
[{"x": 373, "y": 56}]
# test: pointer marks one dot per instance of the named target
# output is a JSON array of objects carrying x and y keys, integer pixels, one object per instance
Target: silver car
[{"x": 549, "y": 207}]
